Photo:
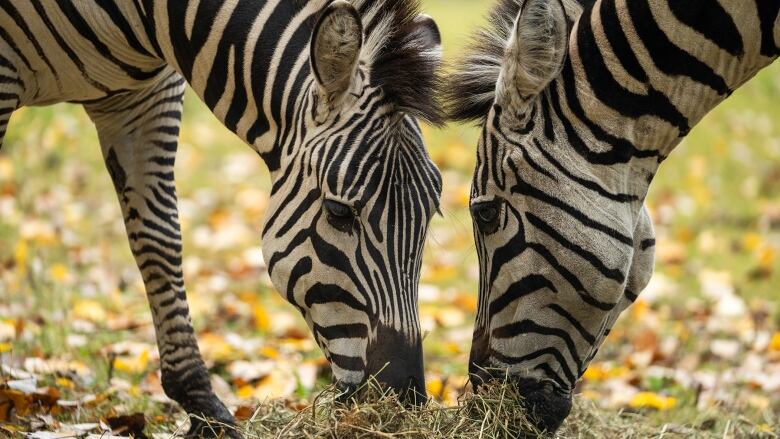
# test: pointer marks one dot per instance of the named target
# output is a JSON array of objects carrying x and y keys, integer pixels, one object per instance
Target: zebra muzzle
[{"x": 396, "y": 362}]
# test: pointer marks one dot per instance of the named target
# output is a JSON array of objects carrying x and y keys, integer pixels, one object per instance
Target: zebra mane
[
  {"x": 472, "y": 85},
  {"x": 402, "y": 64}
]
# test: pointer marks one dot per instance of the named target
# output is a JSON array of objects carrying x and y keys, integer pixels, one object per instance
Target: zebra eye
[
  {"x": 486, "y": 215},
  {"x": 340, "y": 215}
]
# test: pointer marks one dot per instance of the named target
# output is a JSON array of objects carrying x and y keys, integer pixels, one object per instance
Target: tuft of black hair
[
  {"x": 471, "y": 88},
  {"x": 405, "y": 67}
]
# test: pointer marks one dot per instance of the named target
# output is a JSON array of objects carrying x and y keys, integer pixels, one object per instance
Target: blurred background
[{"x": 704, "y": 339}]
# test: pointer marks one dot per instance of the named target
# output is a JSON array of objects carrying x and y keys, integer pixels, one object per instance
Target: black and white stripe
[
  {"x": 327, "y": 92},
  {"x": 580, "y": 103}
]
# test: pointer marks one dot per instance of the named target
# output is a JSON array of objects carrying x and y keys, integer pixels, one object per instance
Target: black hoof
[
  {"x": 209, "y": 418},
  {"x": 202, "y": 428}
]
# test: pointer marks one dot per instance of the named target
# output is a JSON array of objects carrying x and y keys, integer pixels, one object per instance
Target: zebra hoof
[
  {"x": 203, "y": 428},
  {"x": 211, "y": 419}
]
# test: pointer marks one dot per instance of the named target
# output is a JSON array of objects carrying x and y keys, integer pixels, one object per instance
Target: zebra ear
[
  {"x": 335, "y": 50},
  {"x": 425, "y": 32},
  {"x": 534, "y": 55},
  {"x": 415, "y": 91}
]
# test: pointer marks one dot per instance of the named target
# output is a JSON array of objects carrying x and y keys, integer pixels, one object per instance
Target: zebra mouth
[
  {"x": 546, "y": 403},
  {"x": 547, "y": 406},
  {"x": 395, "y": 364},
  {"x": 396, "y": 361}
]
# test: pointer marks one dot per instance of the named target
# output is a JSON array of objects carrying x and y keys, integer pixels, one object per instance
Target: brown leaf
[
  {"x": 47, "y": 397},
  {"x": 244, "y": 413},
  {"x": 16, "y": 400},
  {"x": 296, "y": 333},
  {"x": 5, "y": 409},
  {"x": 132, "y": 425},
  {"x": 646, "y": 340}
]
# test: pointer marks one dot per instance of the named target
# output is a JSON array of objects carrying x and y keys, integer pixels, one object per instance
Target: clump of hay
[{"x": 495, "y": 413}]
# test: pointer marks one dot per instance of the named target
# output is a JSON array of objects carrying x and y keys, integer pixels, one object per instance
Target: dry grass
[{"x": 495, "y": 414}]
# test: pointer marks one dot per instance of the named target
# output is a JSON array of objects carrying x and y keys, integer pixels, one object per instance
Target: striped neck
[
  {"x": 641, "y": 74},
  {"x": 248, "y": 60}
]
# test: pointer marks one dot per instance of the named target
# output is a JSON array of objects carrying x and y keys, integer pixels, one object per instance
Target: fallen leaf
[
  {"x": 244, "y": 413},
  {"x": 135, "y": 364},
  {"x": 774, "y": 344},
  {"x": 653, "y": 401},
  {"x": 434, "y": 386},
  {"x": 132, "y": 425},
  {"x": 89, "y": 310},
  {"x": 14, "y": 400},
  {"x": 261, "y": 319}
]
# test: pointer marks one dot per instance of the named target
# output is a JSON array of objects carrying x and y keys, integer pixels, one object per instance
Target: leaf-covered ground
[{"x": 699, "y": 354}]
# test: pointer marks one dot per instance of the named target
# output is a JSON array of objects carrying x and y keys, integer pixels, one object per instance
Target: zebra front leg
[{"x": 138, "y": 135}]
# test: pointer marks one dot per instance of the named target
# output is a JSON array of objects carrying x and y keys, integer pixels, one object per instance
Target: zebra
[
  {"x": 579, "y": 103},
  {"x": 328, "y": 93}
]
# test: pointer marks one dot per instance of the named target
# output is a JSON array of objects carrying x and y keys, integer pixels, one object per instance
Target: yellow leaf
[
  {"x": 653, "y": 401},
  {"x": 20, "y": 256},
  {"x": 464, "y": 196},
  {"x": 89, "y": 310},
  {"x": 751, "y": 241},
  {"x": 269, "y": 352},
  {"x": 774, "y": 344},
  {"x": 601, "y": 372},
  {"x": 764, "y": 428},
  {"x": 5, "y": 347},
  {"x": 64, "y": 382},
  {"x": 452, "y": 348},
  {"x": 245, "y": 392},
  {"x": 640, "y": 308},
  {"x": 133, "y": 365},
  {"x": 58, "y": 272},
  {"x": 766, "y": 257},
  {"x": 595, "y": 372},
  {"x": 262, "y": 321},
  {"x": 434, "y": 386}
]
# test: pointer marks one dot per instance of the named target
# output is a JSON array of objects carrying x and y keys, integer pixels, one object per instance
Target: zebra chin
[{"x": 395, "y": 363}]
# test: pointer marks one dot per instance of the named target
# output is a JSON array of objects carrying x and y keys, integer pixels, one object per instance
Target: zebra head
[
  {"x": 355, "y": 190},
  {"x": 563, "y": 244}
]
